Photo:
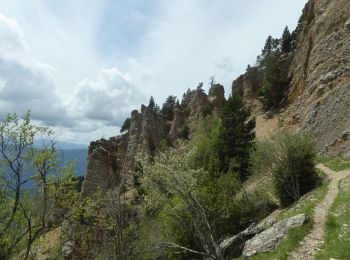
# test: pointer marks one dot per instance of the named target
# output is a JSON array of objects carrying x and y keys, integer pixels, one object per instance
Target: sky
[{"x": 81, "y": 66}]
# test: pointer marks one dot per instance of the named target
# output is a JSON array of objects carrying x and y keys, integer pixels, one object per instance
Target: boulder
[
  {"x": 268, "y": 115},
  {"x": 232, "y": 246},
  {"x": 269, "y": 239}
]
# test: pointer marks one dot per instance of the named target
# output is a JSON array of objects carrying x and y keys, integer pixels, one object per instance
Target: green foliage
[
  {"x": 290, "y": 158},
  {"x": 126, "y": 125},
  {"x": 28, "y": 182},
  {"x": 236, "y": 136},
  {"x": 337, "y": 233},
  {"x": 186, "y": 98},
  {"x": 271, "y": 46},
  {"x": 305, "y": 206},
  {"x": 286, "y": 41},
  {"x": 206, "y": 142},
  {"x": 168, "y": 107},
  {"x": 274, "y": 82},
  {"x": 182, "y": 197},
  {"x": 334, "y": 163},
  {"x": 184, "y": 132}
]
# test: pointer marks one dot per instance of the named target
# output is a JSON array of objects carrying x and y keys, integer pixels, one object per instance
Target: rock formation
[
  {"x": 320, "y": 87},
  {"x": 262, "y": 237},
  {"x": 109, "y": 159},
  {"x": 318, "y": 99}
]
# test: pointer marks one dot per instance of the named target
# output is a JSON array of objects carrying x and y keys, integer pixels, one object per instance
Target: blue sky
[{"x": 81, "y": 66}]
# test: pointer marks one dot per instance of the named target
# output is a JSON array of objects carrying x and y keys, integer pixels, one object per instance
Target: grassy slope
[
  {"x": 334, "y": 163},
  {"x": 306, "y": 205},
  {"x": 337, "y": 237}
]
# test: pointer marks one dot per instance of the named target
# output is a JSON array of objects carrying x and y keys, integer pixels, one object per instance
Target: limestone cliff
[
  {"x": 318, "y": 97},
  {"x": 320, "y": 89},
  {"x": 109, "y": 159}
]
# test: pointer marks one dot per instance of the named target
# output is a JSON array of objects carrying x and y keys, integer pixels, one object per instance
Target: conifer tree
[
  {"x": 126, "y": 125},
  {"x": 236, "y": 137},
  {"x": 286, "y": 41},
  {"x": 151, "y": 104},
  {"x": 268, "y": 48},
  {"x": 168, "y": 107}
]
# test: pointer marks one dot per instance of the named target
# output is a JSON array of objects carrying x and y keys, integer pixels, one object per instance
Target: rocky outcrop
[
  {"x": 216, "y": 97},
  {"x": 248, "y": 84},
  {"x": 199, "y": 105},
  {"x": 317, "y": 100},
  {"x": 180, "y": 118},
  {"x": 105, "y": 162},
  {"x": 233, "y": 246},
  {"x": 269, "y": 239},
  {"x": 320, "y": 88},
  {"x": 262, "y": 237},
  {"x": 109, "y": 159}
]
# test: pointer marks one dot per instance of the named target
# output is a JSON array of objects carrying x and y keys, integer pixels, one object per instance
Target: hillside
[
  {"x": 261, "y": 173},
  {"x": 317, "y": 98}
]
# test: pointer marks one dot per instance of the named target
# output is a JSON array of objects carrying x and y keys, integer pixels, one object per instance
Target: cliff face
[
  {"x": 318, "y": 99},
  {"x": 109, "y": 159},
  {"x": 320, "y": 89}
]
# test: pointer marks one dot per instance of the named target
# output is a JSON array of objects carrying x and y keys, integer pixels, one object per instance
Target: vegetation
[
  {"x": 186, "y": 98},
  {"x": 184, "y": 132},
  {"x": 168, "y": 108},
  {"x": 275, "y": 73},
  {"x": 126, "y": 125},
  {"x": 290, "y": 158},
  {"x": 286, "y": 41},
  {"x": 30, "y": 181},
  {"x": 334, "y": 163},
  {"x": 305, "y": 206},
  {"x": 337, "y": 226},
  {"x": 236, "y": 136},
  {"x": 193, "y": 217}
]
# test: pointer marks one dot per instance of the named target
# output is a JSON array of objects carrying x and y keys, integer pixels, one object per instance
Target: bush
[
  {"x": 184, "y": 132},
  {"x": 290, "y": 158}
]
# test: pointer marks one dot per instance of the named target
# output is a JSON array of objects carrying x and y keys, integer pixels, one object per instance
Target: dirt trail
[{"x": 313, "y": 241}]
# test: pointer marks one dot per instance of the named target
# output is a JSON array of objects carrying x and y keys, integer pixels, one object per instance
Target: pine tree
[
  {"x": 200, "y": 87},
  {"x": 126, "y": 125},
  {"x": 212, "y": 81},
  {"x": 236, "y": 137},
  {"x": 268, "y": 48},
  {"x": 186, "y": 98},
  {"x": 151, "y": 104},
  {"x": 273, "y": 83},
  {"x": 168, "y": 107},
  {"x": 286, "y": 41}
]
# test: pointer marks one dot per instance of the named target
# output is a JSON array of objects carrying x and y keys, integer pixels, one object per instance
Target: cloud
[
  {"x": 108, "y": 98},
  {"x": 26, "y": 84},
  {"x": 51, "y": 55}
]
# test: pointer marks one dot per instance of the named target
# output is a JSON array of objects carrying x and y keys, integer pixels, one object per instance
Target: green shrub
[
  {"x": 184, "y": 132},
  {"x": 290, "y": 158}
]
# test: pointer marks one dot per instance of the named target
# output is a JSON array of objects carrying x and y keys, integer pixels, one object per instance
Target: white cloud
[
  {"x": 27, "y": 84},
  {"x": 108, "y": 98},
  {"x": 51, "y": 55}
]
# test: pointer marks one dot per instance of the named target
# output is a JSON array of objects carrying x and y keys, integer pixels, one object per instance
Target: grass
[
  {"x": 334, "y": 163},
  {"x": 305, "y": 205},
  {"x": 337, "y": 232}
]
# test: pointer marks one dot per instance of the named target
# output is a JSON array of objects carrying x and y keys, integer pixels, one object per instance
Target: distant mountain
[
  {"x": 80, "y": 155},
  {"x": 70, "y": 146},
  {"x": 61, "y": 145}
]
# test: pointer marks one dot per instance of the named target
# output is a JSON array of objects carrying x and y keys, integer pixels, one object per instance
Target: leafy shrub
[
  {"x": 290, "y": 158},
  {"x": 184, "y": 132}
]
